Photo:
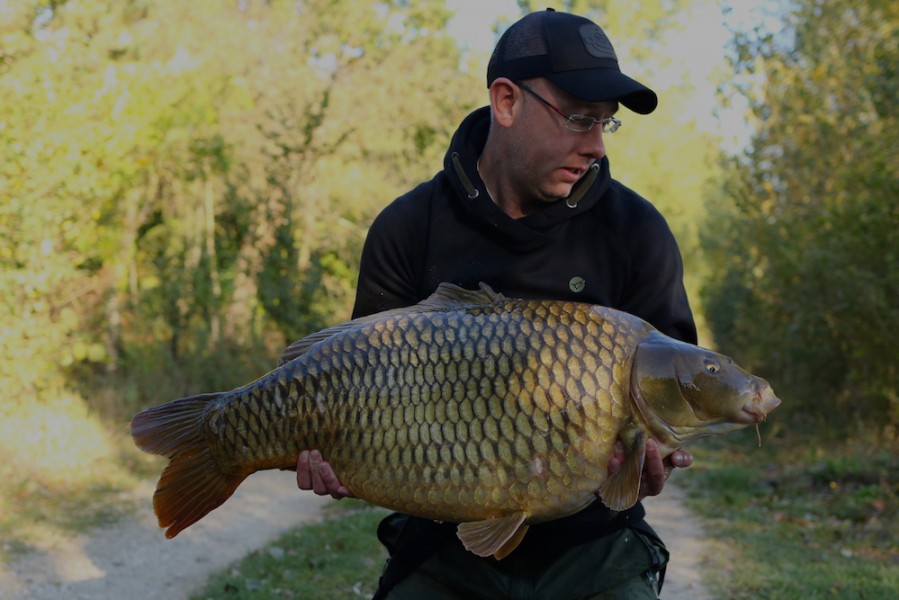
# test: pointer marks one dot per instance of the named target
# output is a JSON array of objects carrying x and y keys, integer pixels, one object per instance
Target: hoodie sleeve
[
  {"x": 656, "y": 290},
  {"x": 393, "y": 255}
]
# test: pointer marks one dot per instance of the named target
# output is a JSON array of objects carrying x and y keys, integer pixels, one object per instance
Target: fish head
[{"x": 685, "y": 392}]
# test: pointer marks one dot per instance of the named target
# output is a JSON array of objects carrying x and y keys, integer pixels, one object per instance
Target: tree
[
  {"x": 176, "y": 181},
  {"x": 803, "y": 241}
]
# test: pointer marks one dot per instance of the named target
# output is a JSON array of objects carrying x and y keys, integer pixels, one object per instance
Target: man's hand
[
  {"x": 313, "y": 473},
  {"x": 655, "y": 468}
]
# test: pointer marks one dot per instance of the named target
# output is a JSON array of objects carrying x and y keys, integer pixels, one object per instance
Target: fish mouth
[{"x": 761, "y": 404}]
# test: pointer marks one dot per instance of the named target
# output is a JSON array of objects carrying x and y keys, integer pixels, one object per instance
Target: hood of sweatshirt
[{"x": 533, "y": 230}]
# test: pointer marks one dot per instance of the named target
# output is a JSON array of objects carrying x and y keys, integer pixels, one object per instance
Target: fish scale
[
  {"x": 469, "y": 364},
  {"x": 470, "y": 407}
]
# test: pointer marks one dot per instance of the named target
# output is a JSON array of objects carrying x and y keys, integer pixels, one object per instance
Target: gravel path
[
  {"x": 133, "y": 560},
  {"x": 683, "y": 534}
]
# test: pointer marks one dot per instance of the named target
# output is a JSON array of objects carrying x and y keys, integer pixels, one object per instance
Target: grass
[
  {"x": 798, "y": 519},
  {"x": 336, "y": 559}
]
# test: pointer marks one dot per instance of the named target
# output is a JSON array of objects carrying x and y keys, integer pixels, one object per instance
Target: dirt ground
[
  {"x": 683, "y": 534},
  {"x": 132, "y": 559}
]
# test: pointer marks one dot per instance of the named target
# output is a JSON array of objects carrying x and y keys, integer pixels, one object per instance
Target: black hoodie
[{"x": 604, "y": 244}]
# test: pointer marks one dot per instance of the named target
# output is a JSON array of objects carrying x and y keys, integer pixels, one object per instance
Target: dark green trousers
[{"x": 620, "y": 566}]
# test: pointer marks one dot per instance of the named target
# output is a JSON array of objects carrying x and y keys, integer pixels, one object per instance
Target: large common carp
[{"x": 469, "y": 407}]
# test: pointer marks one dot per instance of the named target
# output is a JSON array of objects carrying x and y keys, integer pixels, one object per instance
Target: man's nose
[{"x": 594, "y": 145}]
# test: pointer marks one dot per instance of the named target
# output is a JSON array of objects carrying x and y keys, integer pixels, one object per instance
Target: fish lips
[{"x": 760, "y": 405}]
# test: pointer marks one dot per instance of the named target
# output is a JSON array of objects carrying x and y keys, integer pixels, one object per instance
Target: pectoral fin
[
  {"x": 620, "y": 491},
  {"x": 498, "y": 537}
]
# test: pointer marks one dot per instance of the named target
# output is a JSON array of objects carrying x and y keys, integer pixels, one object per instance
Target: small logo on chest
[{"x": 577, "y": 284}]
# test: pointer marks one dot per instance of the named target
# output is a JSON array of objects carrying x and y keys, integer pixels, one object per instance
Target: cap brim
[{"x": 603, "y": 85}]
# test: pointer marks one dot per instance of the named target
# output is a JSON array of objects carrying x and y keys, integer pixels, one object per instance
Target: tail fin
[{"x": 192, "y": 484}]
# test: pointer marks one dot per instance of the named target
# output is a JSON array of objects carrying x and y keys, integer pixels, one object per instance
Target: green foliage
[
  {"x": 183, "y": 179},
  {"x": 803, "y": 241}
]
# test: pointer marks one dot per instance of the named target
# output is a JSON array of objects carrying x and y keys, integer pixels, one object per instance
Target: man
[{"x": 526, "y": 204}]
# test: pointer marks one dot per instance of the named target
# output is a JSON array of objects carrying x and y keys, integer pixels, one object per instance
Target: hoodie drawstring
[
  {"x": 470, "y": 189},
  {"x": 583, "y": 186}
]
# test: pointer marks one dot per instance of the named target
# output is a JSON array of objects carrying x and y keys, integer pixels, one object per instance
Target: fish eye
[{"x": 712, "y": 367}]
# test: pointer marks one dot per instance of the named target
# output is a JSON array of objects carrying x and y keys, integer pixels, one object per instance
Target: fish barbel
[{"x": 469, "y": 407}]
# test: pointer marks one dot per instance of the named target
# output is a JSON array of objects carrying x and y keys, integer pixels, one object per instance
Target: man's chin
[{"x": 556, "y": 193}]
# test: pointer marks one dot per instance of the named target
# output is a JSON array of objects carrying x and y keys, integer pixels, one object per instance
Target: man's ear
[{"x": 505, "y": 101}]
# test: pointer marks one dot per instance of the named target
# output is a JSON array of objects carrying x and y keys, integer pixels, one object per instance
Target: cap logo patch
[{"x": 596, "y": 42}]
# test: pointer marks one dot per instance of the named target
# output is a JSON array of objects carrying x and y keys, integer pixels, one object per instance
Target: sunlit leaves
[{"x": 157, "y": 152}]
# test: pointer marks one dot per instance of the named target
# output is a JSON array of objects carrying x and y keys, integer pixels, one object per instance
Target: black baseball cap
[{"x": 573, "y": 53}]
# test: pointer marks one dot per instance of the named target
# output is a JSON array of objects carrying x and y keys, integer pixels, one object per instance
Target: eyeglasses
[{"x": 579, "y": 123}]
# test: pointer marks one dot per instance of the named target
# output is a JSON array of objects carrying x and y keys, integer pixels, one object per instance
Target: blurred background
[{"x": 185, "y": 188}]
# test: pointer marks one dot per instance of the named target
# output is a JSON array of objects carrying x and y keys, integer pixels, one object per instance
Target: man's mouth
[{"x": 572, "y": 173}]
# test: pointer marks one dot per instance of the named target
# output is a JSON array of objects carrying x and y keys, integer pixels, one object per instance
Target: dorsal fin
[
  {"x": 450, "y": 295},
  {"x": 447, "y": 296}
]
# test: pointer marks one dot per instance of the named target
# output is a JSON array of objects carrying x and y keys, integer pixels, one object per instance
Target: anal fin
[
  {"x": 506, "y": 549},
  {"x": 497, "y": 537}
]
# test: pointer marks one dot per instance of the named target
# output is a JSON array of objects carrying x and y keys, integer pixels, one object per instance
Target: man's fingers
[
  {"x": 314, "y": 473},
  {"x": 304, "y": 475},
  {"x": 654, "y": 472},
  {"x": 332, "y": 483},
  {"x": 309, "y": 476},
  {"x": 315, "y": 465},
  {"x": 679, "y": 459}
]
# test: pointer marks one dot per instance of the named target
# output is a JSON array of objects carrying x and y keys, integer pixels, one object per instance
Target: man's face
[{"x": 550, "y": 158}]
